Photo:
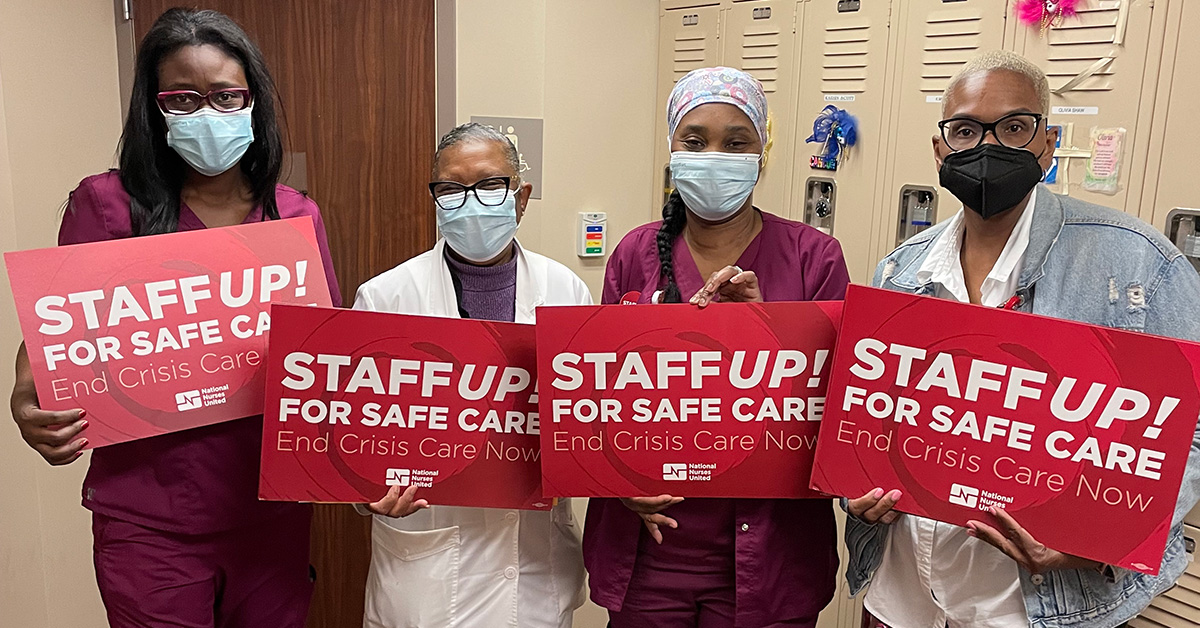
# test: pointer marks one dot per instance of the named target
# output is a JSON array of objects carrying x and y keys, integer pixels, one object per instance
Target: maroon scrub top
[
  {"x": 198, "y": 481},
  {"x": 784, "y": 552}
]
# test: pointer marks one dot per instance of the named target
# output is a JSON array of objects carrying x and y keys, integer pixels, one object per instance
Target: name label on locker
[
  {"x": 937, "y": 98},
  {"x": 839, "y": 97},
  {"x": 691, "y": 19},
  {"x": 762, "y": 13},
  {"x": 1075, "y": 111}
]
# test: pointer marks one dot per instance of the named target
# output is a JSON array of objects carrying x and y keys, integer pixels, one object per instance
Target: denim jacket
[{"x": 1094, "y": 265}]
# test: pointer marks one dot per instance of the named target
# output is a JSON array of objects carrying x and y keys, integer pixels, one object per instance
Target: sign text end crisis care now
[
  {"x": 965, "y": 408},
  {"x": 645, "y": 400},
  {"x": 162, "y": 333}
]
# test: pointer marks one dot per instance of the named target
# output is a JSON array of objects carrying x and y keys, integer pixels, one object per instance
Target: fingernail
[
  {"x": 83, "y": 425},
  {"x": 896, "y": 494},
  {"x": 877, "y": 493},
  {"x": 83, "y": 443},
  {"x": 82, "y": 413}
]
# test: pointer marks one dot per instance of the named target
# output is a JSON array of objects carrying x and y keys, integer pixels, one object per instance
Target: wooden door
[{"x": 356, "y": 83}]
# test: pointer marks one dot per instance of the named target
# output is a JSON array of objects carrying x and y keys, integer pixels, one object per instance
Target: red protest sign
[
  {"x": 358, "y": 401},
  {"x": 161, "y": 333},
  {"x": 720, "y": 402},
  {"x": 1080, "y": 432}
]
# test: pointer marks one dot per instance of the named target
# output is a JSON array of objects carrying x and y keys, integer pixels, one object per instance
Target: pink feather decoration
[{"x": 1044, "y": 12}]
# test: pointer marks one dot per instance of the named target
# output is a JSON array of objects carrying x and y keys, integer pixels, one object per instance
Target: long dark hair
[
  {"x": 674, "y": 215},
  {"x": 151, "y": 171}
]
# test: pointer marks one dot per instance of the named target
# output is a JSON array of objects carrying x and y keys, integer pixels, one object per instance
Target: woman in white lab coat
[{"x": 444, "y": 566}]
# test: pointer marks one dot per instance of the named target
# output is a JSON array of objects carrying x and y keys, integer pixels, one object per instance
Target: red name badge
[
  {"x": 1081, "y": 432},
  {"x": 720, "y": 402},
  {"x": 161, "y": 333},
  {"x": 358, "y": 402}
]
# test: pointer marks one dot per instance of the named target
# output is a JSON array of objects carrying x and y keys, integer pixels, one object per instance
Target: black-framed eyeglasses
[
  {"x": 181, "y": 102},
  {"x": 1016, "y": 130},
  {"x": 491, "y": 191}
]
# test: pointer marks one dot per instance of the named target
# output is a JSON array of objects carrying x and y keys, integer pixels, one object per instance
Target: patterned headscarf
[{"x": 724, "y": 85}]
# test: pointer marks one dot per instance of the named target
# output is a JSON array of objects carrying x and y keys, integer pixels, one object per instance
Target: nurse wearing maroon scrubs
[
  {"x": 671, "y": 562},
  {"x": 180, "y": 538}
]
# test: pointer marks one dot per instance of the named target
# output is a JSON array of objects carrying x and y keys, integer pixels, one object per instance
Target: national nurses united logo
[
  {"x": 201, "y": 398},
  {"x": 188, "y": 400},
  {"x": 971, "y": 497},
  {"x": 410, "y": 477},
  {"x": 964, "y": 496},
  {"x": 673, "y": 471},
  {"x": 688, "y": 471}
]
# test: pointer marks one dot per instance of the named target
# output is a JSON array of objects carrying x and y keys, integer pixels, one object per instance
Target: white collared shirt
[{"x": 934, "y": 574}]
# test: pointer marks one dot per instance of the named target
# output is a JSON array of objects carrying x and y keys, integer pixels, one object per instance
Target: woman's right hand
[
  {"x": 648, "y": 508},
  {"x": 397, "y": 504},
  {"x": 876, "y": 506},
  {"x": 51, "y": 433}
]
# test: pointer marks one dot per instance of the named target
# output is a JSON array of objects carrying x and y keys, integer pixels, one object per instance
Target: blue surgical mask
[
  {"x": 479, "y": 232},
  {"x": 714, "y": 185},
  {"x": 210, "y": 141}
]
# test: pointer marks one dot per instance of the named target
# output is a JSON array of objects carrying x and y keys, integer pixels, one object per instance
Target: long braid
[{"x": 674, "y": 215}]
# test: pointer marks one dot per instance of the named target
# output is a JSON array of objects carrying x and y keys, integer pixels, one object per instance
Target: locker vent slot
[
  {"x": 844, "y": 69},
  {"x": 689, "y": 51},
  {"x": 760, "y": 56},
  {"x": 952, "y": 37},
  {"x": 1078, "y": 43}
]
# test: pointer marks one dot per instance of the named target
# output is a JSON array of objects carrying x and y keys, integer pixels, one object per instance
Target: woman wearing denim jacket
[{"x": 1017, "y": 242}]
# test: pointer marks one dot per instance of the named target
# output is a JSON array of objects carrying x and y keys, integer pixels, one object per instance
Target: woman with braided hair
[{"x": 755, "y": 563}]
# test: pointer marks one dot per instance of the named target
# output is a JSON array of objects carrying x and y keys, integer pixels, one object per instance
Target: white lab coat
[{"x": 449, "y": 566}]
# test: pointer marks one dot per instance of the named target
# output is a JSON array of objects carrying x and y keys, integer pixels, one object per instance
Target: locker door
[
  {"x": 933, "y": 39},
  {"x": 844, "y": 64},
  {"x": 1097, "y": 62},
  {"x": 1172, "y": 180},
  {"x": 760, "y": 38},
  {"x": 688, "y": 38}
]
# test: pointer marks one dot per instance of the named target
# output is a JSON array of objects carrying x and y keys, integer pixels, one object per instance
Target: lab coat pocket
[{"x": 413, "y": 581}]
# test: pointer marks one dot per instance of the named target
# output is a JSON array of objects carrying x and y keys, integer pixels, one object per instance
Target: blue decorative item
[{"x": 837, "y": 131}]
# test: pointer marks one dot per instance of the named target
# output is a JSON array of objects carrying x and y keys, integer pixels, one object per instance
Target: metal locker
[
  {"x": 688, "y": 38},
  {"x": 1097, "y": 62},
  {"x": 845, "y": 65},
  {"x": 1171, "y": 200},
  {"x": 760, "y": 38},
  {"x": 932, "y": 40}
]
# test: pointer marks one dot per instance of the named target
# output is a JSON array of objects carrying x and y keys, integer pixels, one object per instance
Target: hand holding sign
[
  {"x": 50, "y": 433},
  {"x": 650, "y": 509},
  {"x": 397, "y": 503},
  {"x": 730, "y": 284},
  {"x": 876, "y": 506},
  {"x": 1034, "y": 557}
]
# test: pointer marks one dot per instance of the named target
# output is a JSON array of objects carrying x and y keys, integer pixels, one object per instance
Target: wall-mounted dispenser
[
  {"x": 820, "y": 200},
  {"x": 1183, "y": 228},
  {"x": 918, "y": 211}
]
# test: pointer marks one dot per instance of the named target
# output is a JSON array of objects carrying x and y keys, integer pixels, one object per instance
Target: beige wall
[
  {"x": 588, "y": 69},
  {"x": 47, "y": 144}
]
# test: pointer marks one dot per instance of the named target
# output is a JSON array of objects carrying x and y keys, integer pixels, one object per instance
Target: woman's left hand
[
  {"x": 729, "y": 284},
  {"x": 1020, "y": 546}
]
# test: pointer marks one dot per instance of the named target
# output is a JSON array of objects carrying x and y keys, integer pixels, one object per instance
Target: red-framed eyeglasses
[{"x": 181, "y": 102}]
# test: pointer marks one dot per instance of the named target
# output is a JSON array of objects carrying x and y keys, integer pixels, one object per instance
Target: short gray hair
[
  {"x": 475, "y": 132},
  {"x": 1003, "y": 60}
]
